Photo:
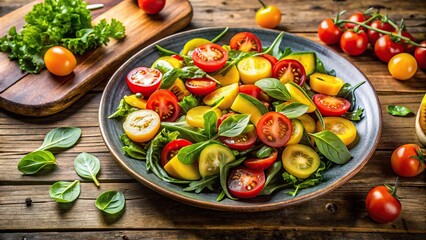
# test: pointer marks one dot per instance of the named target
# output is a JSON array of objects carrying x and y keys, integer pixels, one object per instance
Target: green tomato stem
[{"x": 263, "y": 4}]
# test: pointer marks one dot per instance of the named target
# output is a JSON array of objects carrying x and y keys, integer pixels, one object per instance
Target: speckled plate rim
[{"x": 226, "y": 205}]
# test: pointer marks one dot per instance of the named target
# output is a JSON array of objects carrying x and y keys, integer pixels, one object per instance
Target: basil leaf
[
  {"x": 355, "y": 115},
  {"x": 35, "y": 161},
  {"x": 189, "y": 154},
  {"x": 400, "y": 111},
  {"x": 111, "y": 202},
  {"x": 87, "y": 166},
  {"x": 319, "y": 65},
  {"x": 206, "y": 182},
  {"x": 65, "y": 192},
  {"x": 132, "y": 149},
  {"x": 186, "y": 131},
  {"x": 122, "y": 110},
  {"x": 210, "y": 123},
  {"x": 292, "y": 110},
  {"x": 330, "y": 145},
  {"x": 224, "y": 169},
  {"x": 274, "y": 88},
  {"x": 234, "y": 125},
  {"x": 187, "y": 103},
  {"x": 60, "y": 139},
  {"x": 348, "y": 92},
  {"x": 191, "y": 72},
  {"x": 169, "y": 78},
  {"x": 264, "y": 152}
]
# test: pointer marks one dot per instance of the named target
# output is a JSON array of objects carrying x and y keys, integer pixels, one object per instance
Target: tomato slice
[
  {"x": 300, "y": 160},
  {"x": 144, "y": 80},
  {"x": 200, "y": 86},
  {"x": 241, "y": 142},
  {"x": 273, "y": 60},
  {"x": 211, "y": 157},
  {"x": 254, "y": 68},
  {"x": 342, "y": 127},
  {"x": 262, "y": 163},
  {"x": 250, "y": 89},
  {"x": 165, "y": 103},
  {"x": 194, "y": 116},
  {"x": 331, "y": 105},
  {"x": 135, "y": 101},
  {"x": 246, "y": 42},
  {"x": 210, "y": 57},
  {"x": 244, "y": 182},
  {"x": 141, "y": 125},
  {"x": 172, "y": 148},
  {"x": 287, "y": 70},
  {"x": 274, "y": 129}
]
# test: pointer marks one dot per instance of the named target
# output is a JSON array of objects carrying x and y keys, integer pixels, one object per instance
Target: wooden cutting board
[{"x": 45, "y": 94}]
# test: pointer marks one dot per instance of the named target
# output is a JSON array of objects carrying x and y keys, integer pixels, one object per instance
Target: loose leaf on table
[
  {"x": 65, "y": 192},
  {"x": 273, "y": 88},
  {"x": 87, "y": 166},
  {"x": 198, "y": 186},
  {"x": 400, "y": 111},
  {"x": 61, "y": 138},
  {"x": 292, "y": 110},
  {"x": 234, "y": 125},
  {"x": 111, "y": 202},
  {"x": 330, "y": 145},
  {"x": 35, "y": 161}
]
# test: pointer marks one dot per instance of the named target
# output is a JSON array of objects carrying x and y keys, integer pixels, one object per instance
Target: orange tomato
[{"x": 60, "y": 61}]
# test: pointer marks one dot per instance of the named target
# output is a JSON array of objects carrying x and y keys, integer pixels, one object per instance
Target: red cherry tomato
[
  {"x": 144, "y": 80},
  {"x": 356, "y": 17},
  {"x": 172, "y": 148},
  {"x": 287, "y": 70},
  {"x": 165, "y": 103},
  {"x": 262, "y": 163},
  {"x": 273, "y": 60},
  {"x": 250, "y": 89},
  {"x": 382, "y": 205},
  {"x": 385, "y": 48},
  {"x": 244, "y": 182},
  {"x": 246, "y": 42},
  {"x": 241, "y": 142},
  {"x": 152, "y": 6},
  {"x": 210, "y": 57},
  {"x": 408, "y": 47},
  {"x": 274, "y": 129},
  {"x": 178, "y": 57},
  {"x": 331, "y": 105},
  {"x": 353, "y": 43},
  {"x": 200, "y": 86},
  {"x": 373, "y": 36},
  {"x": 328, "y": 32},
  {"x": 420, "y": 55},
  {"x": 408, "y": 160}
]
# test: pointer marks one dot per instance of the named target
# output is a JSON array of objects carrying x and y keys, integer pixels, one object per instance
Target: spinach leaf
[
  {"x": 264, "y": 152},
  {"x": 234, "y": 125},
  {"x": 35, "y": 161},
  {"x": 210, "y": 122},
  {"x": 274, "y": 88},
  {"x": 189, "y": 154},
  {"x": 330, "y": 145},
  {"x": 400, "y": 111},
  {"x": 348, "y": 92},
  {"x": 224, "y": 169},
  {"x": 206, "y": 182},
  {"x": 274, "y": 181},
  {"x": 123, "y": 110},
  {"x": 132, "y": 149},
  {"x": 87, "y": 166},
  {"x": 186, "y": 131},
  {"x": 356, "y": 115},
  {"x": 292, "y": 110},
  {"x": 65, "y": 192},
  {"x": 111, "y": 202},
  {"x": 187, "y": 103},
  {"x": 60, "y": 139}
]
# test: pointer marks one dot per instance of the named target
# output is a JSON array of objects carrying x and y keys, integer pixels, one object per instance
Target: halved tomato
[
  {"x": 246, "y": 42},
  {"x": 165, "y": 103},
  {"x": 244, "y": 182},
  {"x": 287, "y": 70},
  {"x": 194, "y": 116},
  {"x": 331, "y": 105},
  {"x": 300, "y": 160},
  {"x": 141, "y": 125},
  {"x": 171, "y": 149},
  {"x": 211, "y": 157},
  {"x": 342, "y": 127},
  {"x": 274, "y": 129},
  {"x": 241, "y": 142},
  {"x": 250, "y": 89},
  {"x": 200, "y": 86},
  {"x": 262, "y": 163},
  {"x": 144, "y": 80},
  {"x": 254, "y": 68},
  {"x": 209, "y": 57}
]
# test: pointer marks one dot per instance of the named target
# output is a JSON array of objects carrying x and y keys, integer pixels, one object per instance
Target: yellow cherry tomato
[
  {"x": 297, "y": 132},
  {"x": 168, "y": 62},
  {"x": 342, "y": 127},
  {"x": 134, "y": 101},
  {"x": 402, "y": 66},
  {"x": 255, "y": 68},
  {"x": 142, "y": 125},
  {"x": 194, "y": 116},
  {"x": 192, "y": 44},
  {"x": 226, "y": 93},
  {"x": 232, "y": 76},
  {"x": 60, "y": 61},
  {"x": 268, "y": 16},
  {"x": 325, "y": 84},
  {"x": 177, "y": 169},
  {"x": 300, "y": 160},
  {"x": 308, "y": 123}
]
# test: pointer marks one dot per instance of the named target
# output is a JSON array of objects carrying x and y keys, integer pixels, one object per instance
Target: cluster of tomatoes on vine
[{"x": 392, "y": 43}]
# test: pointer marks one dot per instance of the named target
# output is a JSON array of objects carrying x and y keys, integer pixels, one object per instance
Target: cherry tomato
[
  {"x": 250, "y": 89},
  {"x": 287, "y": 70},
  {"x": 356, "y": 17},
  {"x": 408, "y": 47},
  {"x": 420, "y": 55},
  {"x": 408, "y": 160},
  {"x": 300, "y": 160},
  {"x": 254, "y": 68},
  {"x": 210, "y": 57},
  {"x": 273, "y": 60},
  {"x": 171, "y": 149},
  {"x": 152, "y": 6},
  {"x": 165, "y": 103},
  {"x": 246, "y": 42},
  {"x": 382, "y": 205},
  {"x": 331, "y": 105},
  {"x": 241, "y": 142},
  {"x": 244, "y": 182},
  {"x": 373, "y": 36},
  {"x": 142, "y": 125},
  {"x": 262, "y": 163},
  {"x": 194, "y": 116},
  {"x": 385, "y": 48},
  {"x": 326, "y": 84},
  {"x": 342, "y": 127},
  {"x": 144, "y": 80},
  {"x": 402, "y": 66},
  {"x": 200, "y": 86},
  {"x": 353, "y": 43},
  {"x": 328, "y": 32},
  {"x": 59, "y": 61},
  {"x": 211, "y": 157},
  {"x": 268, "y": 16},
  {"x": 274, "y": 129}
]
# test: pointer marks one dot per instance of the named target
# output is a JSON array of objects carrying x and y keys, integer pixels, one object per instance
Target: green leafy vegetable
[
  {"x": 348, "y": 92},
  {"x": 234, "y": 125},
  {"x": 292, "y": 110},
  {"x": 87, "y": 166},
  {"x": 206, "y": 182},
  {"x": 298, "y": 184},
  {"x": 187, "y": 103},
  {"x": 65, "y": 192},
  {"x": 210, "y": 120},
  {"x": 61, "y": 138},
  {"x": 259, "y": 105},
  {"x": 132, "y": 149},
  {"x": 330, "y": 145},
  {"x": 218, "y": 37},
  {"x": 123, "y": 110},
  {"x": 274, "y": 49},
  {"x": 274, "y": 88},
  {"x": 165, "y": 52},
  {"x": 189, "y": 154},
  {"x": 400, "y": 111},
  {"x": 35, "y": 161},
  {"x": 111, "y": 202},
  {"x": 185, "y": 130},
  {"x": 356, "y": 115},
  {"x": 274, "y": 180},
  {"x": 264, "y": 152},
  {"x": 224, "y": 169}
]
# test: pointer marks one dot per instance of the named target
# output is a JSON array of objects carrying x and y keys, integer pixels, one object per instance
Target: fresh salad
[{"x": 239, "y": 119}]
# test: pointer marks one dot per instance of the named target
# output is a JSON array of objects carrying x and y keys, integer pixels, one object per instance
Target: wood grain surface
[{"x": 149, "y": 215}]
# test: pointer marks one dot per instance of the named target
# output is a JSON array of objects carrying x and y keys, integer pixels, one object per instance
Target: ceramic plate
[{"x": 369, "y": 129}]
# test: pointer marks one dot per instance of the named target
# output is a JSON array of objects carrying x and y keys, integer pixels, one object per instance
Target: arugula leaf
[
  {"x": 292, "y": 110},
  {"x": 198, "y": 186},
  {"x": 274, "y": 88},
  {"x": 218, "y": 37},
  {"x": 400, "y": 111},
  {"x": 132, "y": 149},
  {"x": 330, "y": 145},
  {"x": 187, "y": 103},
  {"x": 123, "y": 110},
  {"x": 274, "y": 49},
  {"x": 186, "y": 131},
  {"x": 234, "y": 125}
]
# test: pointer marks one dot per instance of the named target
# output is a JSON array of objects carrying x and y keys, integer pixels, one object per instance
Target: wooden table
[{"x": 152, "y": 216}]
